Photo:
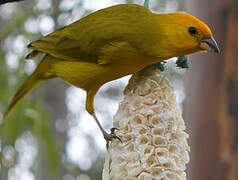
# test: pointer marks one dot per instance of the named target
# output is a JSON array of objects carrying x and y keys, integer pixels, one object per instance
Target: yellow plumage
[{"x": 112, "y": 43}]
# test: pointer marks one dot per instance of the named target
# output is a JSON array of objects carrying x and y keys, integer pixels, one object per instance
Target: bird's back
[{"x": 81, "y": 40}]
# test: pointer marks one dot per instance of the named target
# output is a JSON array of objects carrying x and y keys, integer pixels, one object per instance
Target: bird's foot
[
  {"x": 107, "y": 137},
  {"x": 111, "y": 136}
]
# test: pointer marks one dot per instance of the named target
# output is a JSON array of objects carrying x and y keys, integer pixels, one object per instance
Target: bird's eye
[{"x": 192, "y": 30}]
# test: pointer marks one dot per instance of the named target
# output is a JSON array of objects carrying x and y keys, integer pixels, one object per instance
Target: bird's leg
[{"x": 108, "y": 137}]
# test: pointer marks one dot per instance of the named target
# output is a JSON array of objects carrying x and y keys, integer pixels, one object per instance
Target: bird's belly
[{"x": 88, "y": 75}]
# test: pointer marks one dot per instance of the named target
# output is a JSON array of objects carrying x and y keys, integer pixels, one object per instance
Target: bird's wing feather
[
  {"x": 115, "y": 52},
  {"x": 69, "y": 49},
  {"x": 63, "y": 47}
]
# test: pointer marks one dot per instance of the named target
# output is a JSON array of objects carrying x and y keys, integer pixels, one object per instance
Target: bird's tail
[{"x": 39, "y": 75}]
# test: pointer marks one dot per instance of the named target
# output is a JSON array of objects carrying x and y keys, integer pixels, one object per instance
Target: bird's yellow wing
[
  {"x": 117, "y": 53},
  {"x": 64, "y": 48},
  {"x": 84, "y": 39}
]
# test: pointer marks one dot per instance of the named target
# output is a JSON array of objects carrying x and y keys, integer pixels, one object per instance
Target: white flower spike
[{"x": 152, "y": 131}]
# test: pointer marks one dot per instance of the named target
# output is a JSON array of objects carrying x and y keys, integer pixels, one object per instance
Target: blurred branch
[{"x": 8, "y": 1}]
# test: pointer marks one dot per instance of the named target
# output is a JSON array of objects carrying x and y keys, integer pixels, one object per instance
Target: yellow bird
[{"x": 112, "y": 43}]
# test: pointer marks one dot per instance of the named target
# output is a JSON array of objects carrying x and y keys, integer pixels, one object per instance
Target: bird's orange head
[{"x": 185, "y": 34}]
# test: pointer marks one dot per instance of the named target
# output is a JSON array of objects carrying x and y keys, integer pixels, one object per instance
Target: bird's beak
[{"x": 209, "y": 45}]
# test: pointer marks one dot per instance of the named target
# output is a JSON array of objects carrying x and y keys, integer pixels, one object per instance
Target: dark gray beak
[{"x": 210, "y": 45}]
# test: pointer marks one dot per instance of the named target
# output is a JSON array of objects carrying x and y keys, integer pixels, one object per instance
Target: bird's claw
[
  {"x": 113, "y": 130},
  {"x": 111, "y": 136}
]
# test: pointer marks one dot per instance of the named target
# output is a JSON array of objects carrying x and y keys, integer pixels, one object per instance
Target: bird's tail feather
[{"x": 31, "y": 83}]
